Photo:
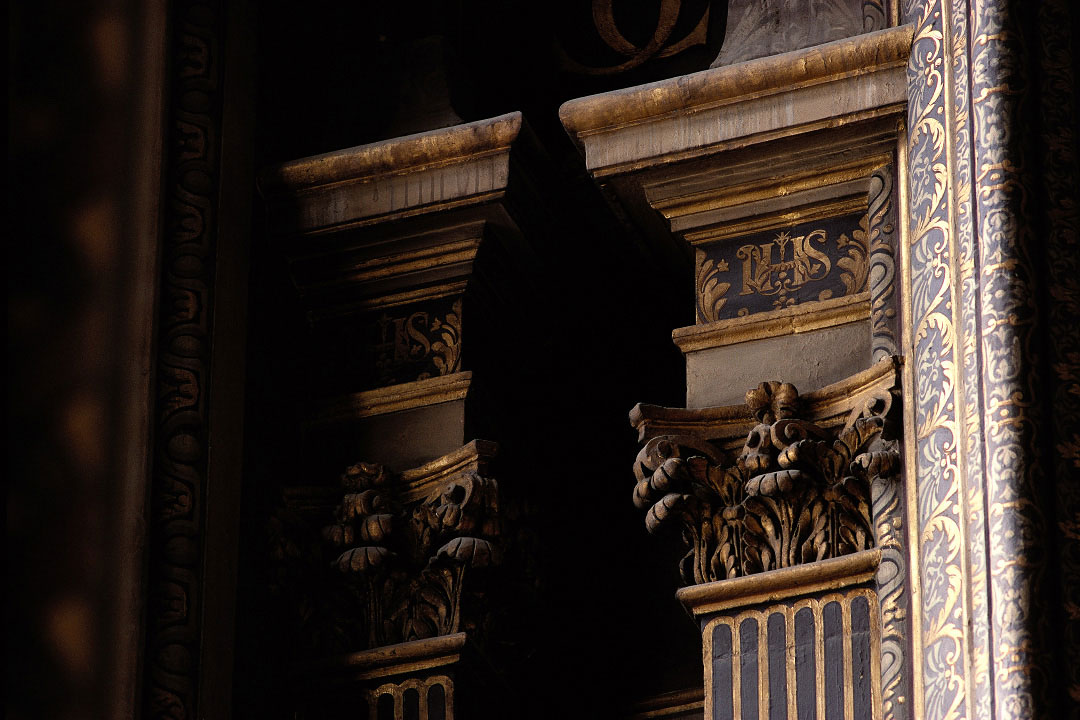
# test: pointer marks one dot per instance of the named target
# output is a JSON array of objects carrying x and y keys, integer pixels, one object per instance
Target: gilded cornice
[{"x": 682, "y": 117}]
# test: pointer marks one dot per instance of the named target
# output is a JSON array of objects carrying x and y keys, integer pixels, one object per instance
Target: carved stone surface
[
  {"x": 797, "y": 492},
  {"x": 756, "y": 29}
]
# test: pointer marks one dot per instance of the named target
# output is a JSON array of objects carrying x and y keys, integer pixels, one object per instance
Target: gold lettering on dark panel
[{"x": 783, "y": 267}]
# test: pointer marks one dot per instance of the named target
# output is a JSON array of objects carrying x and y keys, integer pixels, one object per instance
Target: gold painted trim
[
  {"x": 396, "y": 156},
  {"x": 910, "y": 484},
  {"x": 391, "y": 660},
  {"x": 761, "y": 615},
  {"x": 861, "y": 55},
  {"x": 774, "y": 323},
  {"x": 396, "y": 690},
  {"x": 775, "y": 585},
  {"x": 395, "y": 398}
]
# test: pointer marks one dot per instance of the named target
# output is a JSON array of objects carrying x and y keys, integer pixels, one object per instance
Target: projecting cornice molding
[
  {"x": 731, "y": 106},
  {"x": 450, "y": 167}
]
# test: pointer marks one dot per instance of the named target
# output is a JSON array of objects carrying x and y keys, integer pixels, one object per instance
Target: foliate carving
[
  {"x": 796, "y": 493},
  {"x": 711, "y": 289},
  {"x": 402, "y": 563}
]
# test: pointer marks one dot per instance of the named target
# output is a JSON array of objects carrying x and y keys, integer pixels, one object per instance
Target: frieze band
[{"x": 781, "y": 268}]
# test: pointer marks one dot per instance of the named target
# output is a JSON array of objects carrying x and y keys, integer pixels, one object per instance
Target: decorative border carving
[
  {"x": 178, "y": 490},
  {"x": 893, "y": 594}
]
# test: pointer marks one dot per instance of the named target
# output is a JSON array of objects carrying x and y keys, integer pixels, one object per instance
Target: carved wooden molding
[
  {"x": 695, "y": 114},
  {"x": 799, "y": 490}
]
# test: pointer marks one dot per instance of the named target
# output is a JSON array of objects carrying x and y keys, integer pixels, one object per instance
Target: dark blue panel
[
  {"x": 385, "y": 707},
  {"x": 860, "y": 659},
  {"x": 777, "y": 629},
  {"x": 832, "y": 623},
  {"x": 748, "y": 667},
  {"x": 721, "y": 673},
  {"x": 805, "y": 671}
]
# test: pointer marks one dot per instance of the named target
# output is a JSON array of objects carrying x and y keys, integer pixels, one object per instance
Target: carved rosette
[{"x": 796, "y": 493}]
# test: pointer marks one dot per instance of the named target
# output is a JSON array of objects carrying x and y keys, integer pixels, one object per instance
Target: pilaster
[{"x": 413, "y": 261}]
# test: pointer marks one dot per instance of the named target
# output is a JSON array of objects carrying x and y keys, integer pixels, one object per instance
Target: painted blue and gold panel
[{"x": 782, "y": 267}]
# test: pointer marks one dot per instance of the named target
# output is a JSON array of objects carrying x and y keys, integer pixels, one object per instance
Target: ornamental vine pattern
[
  {"x": 942, "y": 573},
  {"x": 1012, "y": 401}
]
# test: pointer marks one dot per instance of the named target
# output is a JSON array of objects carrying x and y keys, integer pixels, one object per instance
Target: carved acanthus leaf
[{"x": 797, "y": 492}]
